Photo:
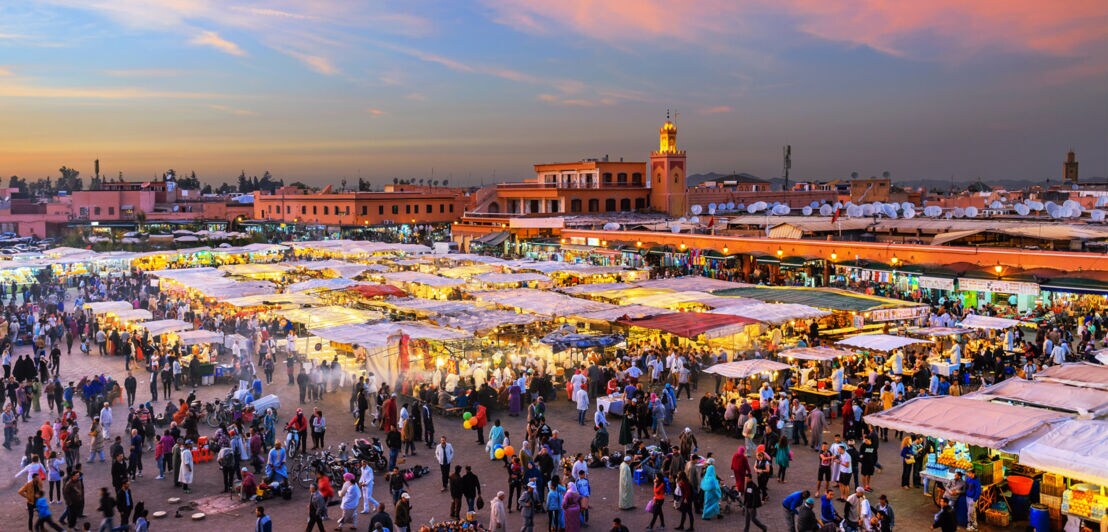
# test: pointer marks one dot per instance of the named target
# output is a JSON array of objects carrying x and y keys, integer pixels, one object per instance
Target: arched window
[
  {"x": 575, "y": 205},
  {"x": 621, "y": 178},
  {"x": 610, "y": 205},
  {"x": 594, "y": 205},
  {"x": 607, "y": 177},
  {"x": 625, "y": 204},
  {"x": 326, "y": 210},
  {"x": 636, "y": 178},
  {"x": 494, "y": 207},
  {"x": 96, "y": 211}
]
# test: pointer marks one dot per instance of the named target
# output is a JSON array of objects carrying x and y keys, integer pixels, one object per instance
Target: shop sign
[
  {"x": 936, "y": 283},
  {"x": 897, "y": 314},
  {"x": 1004, "y": 287}
]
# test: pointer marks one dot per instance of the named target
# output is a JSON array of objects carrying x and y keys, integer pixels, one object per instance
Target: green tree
[{"x": 70, "y": 179}]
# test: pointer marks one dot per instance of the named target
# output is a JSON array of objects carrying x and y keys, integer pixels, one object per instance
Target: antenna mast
[{"x": 788, "y": 163}]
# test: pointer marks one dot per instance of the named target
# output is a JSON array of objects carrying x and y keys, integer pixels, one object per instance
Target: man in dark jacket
[
  {"x": 944, "y": 519},
  {"x": 119, "y": 472},
  {"x": 471, "y": 487},
  {"x": 752, "y": 499},
  {"x": 380, "y": 518},
  {"x": 806, "y": 520},
  {"x": 455, "y": 482},
  {"x": 124, "y": 502},
  {"x": 130, "y": 384}
]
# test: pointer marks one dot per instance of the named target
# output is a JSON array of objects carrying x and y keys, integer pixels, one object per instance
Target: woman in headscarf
[
  {"x": 349, "y": 495},
  {"x": 270, "y": 423},
  {"x": 626, "y": 436},
  {"x": 712, "y": 492},
  {"x": 571, "y": 507},
  {"x": 669, "y": 399},
  {"x": 658, "y": 415},
  {"x": 496, "y": 438},
  {"x": 739, "y": 466},
  {"x": 626, "y": 485},
  {"x": 514, "y": 399}
]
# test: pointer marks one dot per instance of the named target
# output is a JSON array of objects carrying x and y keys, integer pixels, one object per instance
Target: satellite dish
[
  {"x": 682, "y": 219},
  {"x": 889, "y": 210},
  {"x": 711, "y": 206},
  {"x": 696, "y": 209},
  {"x": 694, "y": 220},
  {"x": 1102, "y": 201},
  {"x": 1096, "y": 215},
  {"x": 996, "y": 204},
  {"x": 730, "y": 205},
  {"x": 909, "y": 214},
  {"x": 814, "y": 204},
  {"x": 785, "y": 209},
  {"x": 740, "y": 206},
  {"x": 1022, "y": 210},
  {"x": 611, "y": 226},
  {"x": 1036, "y": 206},
  {"x": 907, "y": 206},
  {"x": 959, "y": 212},
  {"x": 971, "y": 212},
  {"x": 932, "y": 211},
  {"x": 675, "y": 228},
  {"x": 867, "y": 209},
  {"x": 826, "y": 210},
  {"x": 806, "y": 211},
  {"x": 854, "y": 211},
  {"x": 838, "y": 204}
]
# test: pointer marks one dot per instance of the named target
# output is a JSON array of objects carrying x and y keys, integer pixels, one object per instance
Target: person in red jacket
[
  {"x": 658, "y": 503},
  {"x": 299, "y": 423},
  {"x": 389, "y": 415},
  {"x": 480, "y": 420},
  {"x": 740, "y": 465}
]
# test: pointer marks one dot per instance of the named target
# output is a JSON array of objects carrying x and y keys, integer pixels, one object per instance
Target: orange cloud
[
  {"x": 211, "y": 38},
  {"x": 315, "y": 62},
  {"x": 717, "y": 110}
]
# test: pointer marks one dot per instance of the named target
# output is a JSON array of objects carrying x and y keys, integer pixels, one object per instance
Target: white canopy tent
[
  {"x": 992, "y": 425},
  {"x": 1082, "y": 401},
  {"x": 253, "y": 268},
  {"x": 1074, "y": 449},
  {"x": 740, "y": 369},
  {"x": 376, "y": 334},
  {"x": 200, "y": 337},
  {"x": 1082, "y": 374},
  {"x": 880, "y": 342},
  {"x": 485, "y": 320},
  {"x": 814, "y": 353},
  {"x": 505, "y": 278},
  {"x": 423, "y": 279},
  {"x": 286, "y": 299},
  {"x": 585, "y": 289},
  {"x": 541, "y": 302},
  {"x": 330, "y": 316},
  {"x": 135, "y": 314},
  {"x": 773, "y": 312},
  {"x": 105, "y": 307},
  {"x": 633, "y": 312},
  {"x": 164, "y": 326},
  {"x": 691, "y": 283},
  {"x": 314, "y": 285},
  {"x": 340, "y": 267},
  {"x": 975, "y": 321}
]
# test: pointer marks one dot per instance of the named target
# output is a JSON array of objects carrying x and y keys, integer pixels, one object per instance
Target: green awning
[
  {"x": 1076, "y": 285},
  {"x": 864, "y": 264},
  {"x": 827, "y": 299},
  {"x": 492, "y": 239},
  {"x": 795, "y": 261}
]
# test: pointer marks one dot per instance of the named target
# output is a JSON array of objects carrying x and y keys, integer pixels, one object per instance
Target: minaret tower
[{"x": 667, "y": 173}]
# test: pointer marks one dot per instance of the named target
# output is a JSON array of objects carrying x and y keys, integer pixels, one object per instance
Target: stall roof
[
  {"x": 815, "y": 353},
  {"x": 164, "y": 326},
  {"x": 1053, "y": 395},
  {"x": 337, "y": 283},
  {"x": 773, "y": 312},
  {"x": 585, "y": 289},
  {"x": 1074, "y": 449},
  {"x": 632, "y": 312},
  {"x": 824, "y": 298},
  {"x": 467, "y": 271},
  {"x": 200, "y": 337},
  {"x": 540, "y": 302},
  {"x": 485, "y": 320},
  {"x": 429, "y": 306},
  {"x": 741, "y": 369},
  {"x": 691, "y": 282},
  {"x": 377, "y": 334},
  {"x": 377, "y": 290},
  {"x": 937, "y": 331},
  {"x": 549, "y": 267},
  {"x": 505, "y": 278},
  {"x": 341, "y": 267},
  {"x": 1082, "y": 375},
  {"x": 254, "y": 268},
  {"x": 105, "y": 307},
  {"x": 332, "y": 316},
  {"x": 673, "y": 299},
  {"x": 691, "y": 324},
  {"x": 880, "y": 342},
  {"x": 992, "y": 425},
  {"x": 135, "y": 314},
  {"x": 425, "y": 279},
  {"x": 258, "y": 300},
  {"x": 976, "y": 321}
]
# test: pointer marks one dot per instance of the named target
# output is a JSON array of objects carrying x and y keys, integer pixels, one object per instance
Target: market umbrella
[
  {"x": 741, "y": 369},
  {"x": 815, "y": 353}
]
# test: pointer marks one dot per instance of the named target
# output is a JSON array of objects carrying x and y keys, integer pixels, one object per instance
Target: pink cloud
[
  {"x": 374, "y": 111},
  {"x": 212, "y": 39},
  {"x": 717, "y": 110}
]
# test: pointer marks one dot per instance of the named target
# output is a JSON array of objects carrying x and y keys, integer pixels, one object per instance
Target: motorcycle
[{"x": 372, "y": 452}]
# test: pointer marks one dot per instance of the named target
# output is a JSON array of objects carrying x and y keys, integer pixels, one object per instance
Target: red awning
[
  {"x": 689, "y": 324},
  {"x": 377, "y": 290}
]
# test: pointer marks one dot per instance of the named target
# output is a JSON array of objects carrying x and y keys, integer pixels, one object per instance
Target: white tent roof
[
  {"x": 541, "y": 302},
  {"x": 1083, "y": 401},
  {"x": 691, "y": 282},
  {"x": 332, "y": 316},
  {"x": 253, "y": 268},
  {"x": 377, "y": 334},
  {"x": 992, "y": 425},
  {"x": 485, "y": 320},
  {"x": 880, "y": 342},
  {"x": 337, "y": 283},
  {"x": 773, "y": 312},
  {"x": 200, "y": 337},
  {"x": 745, "y": 368},
  {"x": 422, "y": 278},
  {"x": 814, "y": 353},
  {"x": 430, "y": 306},
  {"x": 582, "y": 289},
  {"x": 1082, "y": 374},
  {"x": 503, "y": 278},
  {"x": 341, "y": 267},
  {"x": 135, "y": 314},
  {"x": 937, "y": 331},
  {"x": 298, "y": 298},
  {"x": 631, "y": 311},
  {"x": 105, "y": 307},
  {"x": 164, "y": 326},
  {"x": 974, "y": 321},
  {"x": 672, "y": 299},
  {"x": 1074, "y": 449}
]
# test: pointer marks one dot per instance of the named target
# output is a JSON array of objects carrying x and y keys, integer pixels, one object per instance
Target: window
[
  {"x": 636, "y": 178},
  {"x": 622, "y": 178},
  {"x": 96, "y": 211},
  {"x": 326, "y": 210},
  {"x": 111, "y": 211},
  {"x": 381, "y": 209},
  {"x": 430, "y": 208},
  {"x": 288, "y": 209},
  {"x": 315, "y": 210},
  {"x": 640, "y": 204},
  {"x": 610, "y": 205},
  {"x": 594, "y": 205},
  {"x": 407, "y": 209},
  {"x": 396, "y": 209},
  {"x": 625, "y": 204},
  {"x": 607, "y": 177},
  {"x": 303, "y": 209},
  {"x": 575, "y": 205},
  {"x": 365, "y": 210},
  {"x": 451, "y": 207},
  {"x": 442, "y": 208}
]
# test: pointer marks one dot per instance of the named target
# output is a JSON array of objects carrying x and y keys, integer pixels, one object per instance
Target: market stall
[
  {"x": 1075, "y": 451},
  {"x": 1086, "y": 402},
  {"x": 741, "y": 369},
  {"x": 159, "y": 327},
  {"x": 814, "y": 367},
  {"x": 976, "y": 321},
  {"x": 320, "y": 285},
  {"x": 424, "y": 285},
  {"x": 1083, "y": 375},
  {"x": 540, "y": 302},
  {"x": 104, "y": 307},
  {"x": 385, "y": 348}
]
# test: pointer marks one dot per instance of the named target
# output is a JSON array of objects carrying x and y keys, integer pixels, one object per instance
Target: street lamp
[
  {"x": 894, "y": 261},
  {"x": 780, "y": 252},
  {"x": 998, "y": 269},
  {"x": 724, "y": 250},
  {"x": 834, "y": 256}
]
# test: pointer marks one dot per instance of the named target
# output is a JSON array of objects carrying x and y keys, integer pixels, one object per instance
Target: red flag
[
  {"x": 711, "y": 222},
  {"x": 835, "y": 217}
]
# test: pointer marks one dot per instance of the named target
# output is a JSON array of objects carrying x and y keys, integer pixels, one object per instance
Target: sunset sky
[{"x": 323, "y": 90}]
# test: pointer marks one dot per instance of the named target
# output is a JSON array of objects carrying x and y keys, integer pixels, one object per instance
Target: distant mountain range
[{"x": 929, "y": 184}]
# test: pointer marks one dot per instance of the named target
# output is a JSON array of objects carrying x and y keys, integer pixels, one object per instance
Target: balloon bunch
[
  {"x": 468, "y": 422},
  {"x": 502, "y": 451}
]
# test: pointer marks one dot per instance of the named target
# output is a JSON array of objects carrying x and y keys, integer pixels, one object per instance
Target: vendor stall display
[
  {"x": 330, "y": 316},
  {"x": 814, "y": 353},
  {"x": 132, "y": 315},
  {"x": 773, "y": 313},
  {"x": 189, "y": 338}
]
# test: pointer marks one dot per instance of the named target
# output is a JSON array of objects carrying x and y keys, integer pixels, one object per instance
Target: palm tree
[{"x": 854, "y": 175}]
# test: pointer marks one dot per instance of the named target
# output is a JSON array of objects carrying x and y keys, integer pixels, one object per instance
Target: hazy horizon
[{"x": 481, "y": 90}]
